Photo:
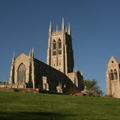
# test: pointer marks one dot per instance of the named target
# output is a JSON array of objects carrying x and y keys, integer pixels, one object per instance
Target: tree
[
  {"x": 89, "y": 84},
  {"x": 91, "y": 88},
  {"x": 1, "y": 82}
]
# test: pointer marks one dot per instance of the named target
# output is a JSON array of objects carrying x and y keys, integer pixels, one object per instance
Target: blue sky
[{"x": 95, "y": 27}]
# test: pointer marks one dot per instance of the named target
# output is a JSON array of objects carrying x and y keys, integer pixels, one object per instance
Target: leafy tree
[
  {"x": 91, "y": 88},
  {"x": 89, "y": 84}
]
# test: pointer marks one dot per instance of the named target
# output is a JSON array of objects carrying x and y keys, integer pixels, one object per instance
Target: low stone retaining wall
[
  {"x": 24, "y": 90},
  {"x": 28, "y": 90}
]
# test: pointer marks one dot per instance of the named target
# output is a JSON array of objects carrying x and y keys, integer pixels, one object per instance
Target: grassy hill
[{"x": 29, "y": 106}]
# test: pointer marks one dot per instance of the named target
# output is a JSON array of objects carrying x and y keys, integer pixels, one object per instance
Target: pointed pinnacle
[
  {"x": 63, "y": 25},
  {"x": 50, "y": 28},
  {"x": 13, "y": 59},
  {"x": 66, "y": 29},
  {"x": 63, "y": 20},
  {"x": 69, "y": 31},
  {"x": 56, "y": 27},
  {"x": 32, "y": 52},
  {"x": 50, "y": 25}
]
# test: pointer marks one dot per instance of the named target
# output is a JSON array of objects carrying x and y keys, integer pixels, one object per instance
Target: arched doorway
[{"x": 21, "y": 73}]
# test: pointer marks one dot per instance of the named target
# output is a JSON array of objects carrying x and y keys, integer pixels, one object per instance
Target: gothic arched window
[
  {"x": 111, "y": 75},
  {"x": 54, "y": 44},
  {"x": 59, "y": 42},
  {"x": 54, "y": 47},
  {"x": 21, "y": 73},
  {"x": 59, "y": 46},
  {"x": 115, "y": 72}
]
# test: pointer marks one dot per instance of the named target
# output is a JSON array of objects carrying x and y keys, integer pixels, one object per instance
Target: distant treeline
[{"x": 2, "y": 83}]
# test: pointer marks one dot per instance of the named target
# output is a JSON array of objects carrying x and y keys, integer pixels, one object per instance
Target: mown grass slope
[{"x": 30, "y": 106}]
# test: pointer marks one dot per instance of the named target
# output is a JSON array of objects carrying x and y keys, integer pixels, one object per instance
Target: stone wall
[
  {"x": 24, "y": 90},
  {"x": 53, "y": 77},
  {"x": 28, "y": 90}
]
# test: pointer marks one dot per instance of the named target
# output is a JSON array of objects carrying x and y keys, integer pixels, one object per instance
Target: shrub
[{"x": 16, "y": 90}]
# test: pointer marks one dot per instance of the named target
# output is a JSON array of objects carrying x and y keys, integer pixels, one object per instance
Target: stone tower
[
  {"x": 60, "y": 52},
  {"x": 113, "y": 78}
]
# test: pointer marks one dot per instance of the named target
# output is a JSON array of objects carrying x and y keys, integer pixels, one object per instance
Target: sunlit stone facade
[{"x": 113, "y": 78}]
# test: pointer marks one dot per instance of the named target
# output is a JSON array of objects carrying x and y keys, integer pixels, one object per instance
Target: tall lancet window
[
  {"x": 111, "y": 75},
  {"x": 115, "y": 72},
  {"x": 21, "y": 75},
  {"x": 59, "y": 46},
  {"x": 59, "y": 42},
  {"x": 54, "y": 47}
]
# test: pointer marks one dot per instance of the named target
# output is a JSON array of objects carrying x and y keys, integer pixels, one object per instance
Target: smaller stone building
[{"x": 113, "y": 78}]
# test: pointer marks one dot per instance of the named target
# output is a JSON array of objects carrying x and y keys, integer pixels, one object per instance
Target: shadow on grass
[{"x": 33, "y": 116}]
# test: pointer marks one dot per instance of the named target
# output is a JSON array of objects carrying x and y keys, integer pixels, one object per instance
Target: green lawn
[{"x": 33, "y": 106}]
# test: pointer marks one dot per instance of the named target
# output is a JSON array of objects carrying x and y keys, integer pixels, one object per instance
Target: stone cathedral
[
  {"x": 113, "y": 78},
  {"x": 57, "y": 75}
]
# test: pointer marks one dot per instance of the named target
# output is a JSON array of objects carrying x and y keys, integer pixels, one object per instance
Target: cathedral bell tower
[{"x": 60, "y": 52}]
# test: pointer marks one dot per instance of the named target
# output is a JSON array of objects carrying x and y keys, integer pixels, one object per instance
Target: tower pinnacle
[
  {"x": 63, "y": 25},
  {"x": 13, "y": 59},
  {"x": 50, "y": 28},
  {"x": 32, "y": 52},
  {"x": 56, "y": 28},
  {"x": 66, "y": 29},
  {"x": 69, "y": 31}
]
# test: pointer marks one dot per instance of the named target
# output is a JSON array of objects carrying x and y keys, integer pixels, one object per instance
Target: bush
[{"x": 16, "y": 90}]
